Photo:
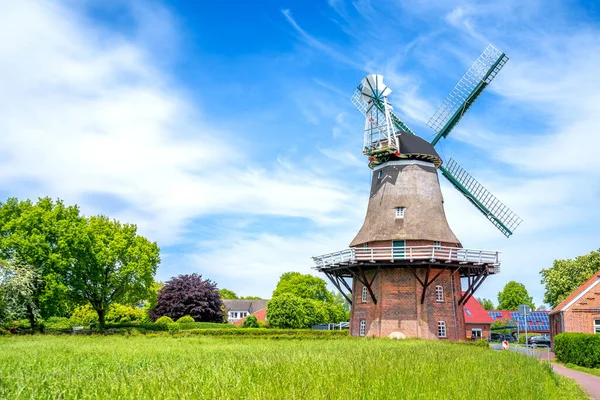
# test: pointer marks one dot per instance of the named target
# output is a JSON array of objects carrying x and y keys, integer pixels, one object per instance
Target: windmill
[
  {"x": 405, "y": 245},
  {"x": 381, "y": 125}
]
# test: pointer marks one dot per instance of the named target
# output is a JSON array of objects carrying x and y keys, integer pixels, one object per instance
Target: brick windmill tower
[{"x": 402, "y": 272}]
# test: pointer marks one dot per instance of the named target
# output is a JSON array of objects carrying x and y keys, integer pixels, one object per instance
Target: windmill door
[{"x": 398, "y": 249}]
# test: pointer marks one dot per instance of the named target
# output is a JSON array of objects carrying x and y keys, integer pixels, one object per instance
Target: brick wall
[
  {"x": 399, "y": 307},
  {"x": 580, "y": 316},
  {"x": 485, "y": 330}
]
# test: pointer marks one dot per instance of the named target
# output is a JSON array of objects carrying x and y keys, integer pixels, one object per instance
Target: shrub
[
  {"x": 478, "y": 343},
  {"x": 578, "y": 348},
  {"x": 185, "y": 319},
  {"x": 120, "y": 314},
  {"x": 84, "y": 316},
  {"x": 250, "y": 322},
  {"x": 58, "y": 323},
  {"x": 173, "y": 327},
  {"x": 164, "y": 320},
  {"x": 117, "y": 314}
]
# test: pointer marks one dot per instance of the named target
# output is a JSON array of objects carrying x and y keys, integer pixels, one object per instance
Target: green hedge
[
  {"x": 578, "y": 348},
  {"x": 266, "y": 332},
  {"x": 477, "y": 343}
]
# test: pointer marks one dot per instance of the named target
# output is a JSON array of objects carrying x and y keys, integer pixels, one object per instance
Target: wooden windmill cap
[{"x": 413, "y": 147}]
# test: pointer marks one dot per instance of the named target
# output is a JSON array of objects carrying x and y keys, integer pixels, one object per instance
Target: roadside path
[{"x": 590, "y": 383}]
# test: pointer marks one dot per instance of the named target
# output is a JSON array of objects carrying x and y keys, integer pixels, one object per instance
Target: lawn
[{"x": 165, "y": 367}]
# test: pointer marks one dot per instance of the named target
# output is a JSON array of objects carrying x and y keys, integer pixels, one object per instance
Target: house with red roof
[
  {"x": 536, "y": 322},
  {"x": 477, "y": 320},
  {"x": 261, "y": 316},
  {"x": 580, "y": 311},
  {"x": 238, "y": 310}
]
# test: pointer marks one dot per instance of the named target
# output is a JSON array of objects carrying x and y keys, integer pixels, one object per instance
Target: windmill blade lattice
[
  {"x": 466, "y": 91},
  {"x": 363, "y": 107},
  {"x": 494, "y": 210}
]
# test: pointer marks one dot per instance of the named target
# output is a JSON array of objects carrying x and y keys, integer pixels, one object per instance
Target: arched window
[
  {"x": 363, "y": 327},
  {"x": 439, "y": 293},
  {"x": 364, "y": 294},
  {"x": 441, "y": 329}
]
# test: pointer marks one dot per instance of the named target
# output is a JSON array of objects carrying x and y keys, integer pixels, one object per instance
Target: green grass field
[{"x": 163, "y": 367}]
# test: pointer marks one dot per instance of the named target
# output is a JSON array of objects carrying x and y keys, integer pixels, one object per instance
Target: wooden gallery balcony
[{"x": 409, "y": 256}]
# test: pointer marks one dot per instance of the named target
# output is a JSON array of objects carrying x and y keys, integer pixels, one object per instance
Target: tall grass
[{"x": 198, "y": 367}]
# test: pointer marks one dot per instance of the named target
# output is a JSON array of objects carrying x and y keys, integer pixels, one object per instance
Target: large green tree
[
  {"x": 33, "y": 234},
  {"x": 300, "y": 301},
  {"x": 286, "y": 311},
  {"x": 513, "y": 295},
  {"x": 567, "y": 275},
  {"x": 487, "y": 304},
  {"x": 304, "y": 286},
  {"x": 110, "y": 263}
]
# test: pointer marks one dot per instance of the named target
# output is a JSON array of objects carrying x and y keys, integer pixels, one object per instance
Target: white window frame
[
  {"x": 364, "y": 294},
  {"x": 439, "y": 293},
  {"x": 400, "y": 212},
  {"x": 363, "y": 327},
  {"x": 380, "y": 174},
  {"x": 437, "y": 245},
  {"x": 233, "y": 314},
  {"x": 473, "y": 330},
  {"x": 442, "y": 329},
  {"x": 365, "y": 245},
  {"x": 597, "y": 325}
]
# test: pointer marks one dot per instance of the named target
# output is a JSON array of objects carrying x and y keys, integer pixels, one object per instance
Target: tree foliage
[
  {"x": 303, "y": 286},
  {"x": 33, "y": 235},
  {"x": 301, "y": 301},
  {"x": 110, "y": 264},
  {"x": 227, "y": 294},
  {"x": 487, "y": 304},
  {"x": 286, "y": 311},
  {"x": 567, "y": 275},
  {"x": 513, "y": 295},
  {"x": 189, "y": 295},
  {"x": 250, "y": 322},
  {"x": 17, "y": 288}
]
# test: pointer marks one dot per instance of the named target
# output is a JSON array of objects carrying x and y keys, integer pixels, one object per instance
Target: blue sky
[{"x": 224, "y": 130}]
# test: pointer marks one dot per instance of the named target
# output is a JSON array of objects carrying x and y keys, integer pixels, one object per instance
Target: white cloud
[{"x": 87, "y": 112}]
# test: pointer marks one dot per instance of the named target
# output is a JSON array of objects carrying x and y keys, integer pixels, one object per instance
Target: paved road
[{"x": 589, "y": 383}]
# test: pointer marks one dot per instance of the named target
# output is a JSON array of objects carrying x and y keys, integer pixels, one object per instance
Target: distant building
[
  {"x": 477, "y": 320},
  {"x": 580, "y": 311},
  {"x": 537, "y": 321},
  {"x": 238, "y": 310},
  {"x": 261, "y": 316}
]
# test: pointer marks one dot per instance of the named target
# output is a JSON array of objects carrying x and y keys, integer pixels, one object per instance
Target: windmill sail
[
  {"x": 494, "y": 210},
  {"x": 466, "y": 91},
  {"x": 357, "y": 100}
]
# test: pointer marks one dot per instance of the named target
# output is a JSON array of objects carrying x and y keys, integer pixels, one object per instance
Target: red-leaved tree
[{"x": 189, "y": 295}]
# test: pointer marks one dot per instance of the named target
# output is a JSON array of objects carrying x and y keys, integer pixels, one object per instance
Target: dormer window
[{"x": 400, "y": 212}]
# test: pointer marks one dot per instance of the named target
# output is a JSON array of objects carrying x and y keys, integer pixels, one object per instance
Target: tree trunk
[
  {"x": 31, "y": 317},
  {"x": 101, "y": 318}
]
